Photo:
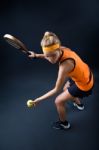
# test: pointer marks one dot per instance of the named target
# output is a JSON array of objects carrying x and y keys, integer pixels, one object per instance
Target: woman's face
[{"x": 53, "y": 57}]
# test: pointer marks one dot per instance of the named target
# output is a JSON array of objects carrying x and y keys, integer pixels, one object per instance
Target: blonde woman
[{"x": 72, "y": 67}]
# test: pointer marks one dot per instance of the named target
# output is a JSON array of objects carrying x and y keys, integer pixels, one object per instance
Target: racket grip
[{"x": 28, "y": 53}]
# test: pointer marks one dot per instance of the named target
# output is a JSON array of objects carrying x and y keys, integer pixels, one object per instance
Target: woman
[{"x": 71, "y": 66}]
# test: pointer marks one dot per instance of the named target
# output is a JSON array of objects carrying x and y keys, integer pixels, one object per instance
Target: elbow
[{"x": 56, "y": 89}]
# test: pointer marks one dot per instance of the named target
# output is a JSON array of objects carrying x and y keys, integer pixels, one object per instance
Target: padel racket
[{"x": 13, "y": 41}]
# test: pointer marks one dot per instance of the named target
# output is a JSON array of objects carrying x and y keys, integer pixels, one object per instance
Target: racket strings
[
  {"x": 16, "y": 43},
  {"x": 13, "y": 44}
]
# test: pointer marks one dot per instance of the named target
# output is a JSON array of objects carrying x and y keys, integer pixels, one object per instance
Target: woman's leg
[
  {"x": 67, "y": 84},
  {"x": 60, "y": 104},
  {"x": 77, "y": 100}
]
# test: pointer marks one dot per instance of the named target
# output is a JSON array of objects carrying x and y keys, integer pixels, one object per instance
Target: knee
[{"x": 58, "y": 101}]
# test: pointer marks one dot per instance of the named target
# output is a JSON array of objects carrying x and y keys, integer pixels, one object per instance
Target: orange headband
[{"x": 51, "y": 48}]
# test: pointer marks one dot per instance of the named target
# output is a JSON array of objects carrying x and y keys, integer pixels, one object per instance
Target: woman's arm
[
  {"x": 64, "y": 68},
  {"x": 35, "y": 55},
  {"x": 60, "y": 80}
]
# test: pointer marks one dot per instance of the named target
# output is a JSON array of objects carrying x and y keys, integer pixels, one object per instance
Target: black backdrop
[
  {"x": 77, "y": 25},
  {"x": 75, "y": 22}
]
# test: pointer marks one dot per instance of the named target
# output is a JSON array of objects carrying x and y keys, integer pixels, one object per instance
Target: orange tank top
[{"x": 81, "y": 74}]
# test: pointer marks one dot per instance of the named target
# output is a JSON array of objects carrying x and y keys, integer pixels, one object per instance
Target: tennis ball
[{"x": 30, "y": 103}]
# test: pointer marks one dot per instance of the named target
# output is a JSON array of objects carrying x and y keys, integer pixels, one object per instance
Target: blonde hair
[{"x": 49, "y": 39}]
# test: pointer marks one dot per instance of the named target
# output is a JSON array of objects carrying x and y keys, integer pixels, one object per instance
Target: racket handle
[
  {"x": 28, "y": 53},
  {"x": 25, "y": 51}
]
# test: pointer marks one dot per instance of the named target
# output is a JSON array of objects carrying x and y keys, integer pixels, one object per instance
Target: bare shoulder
[{"x": 68, "y": 65}]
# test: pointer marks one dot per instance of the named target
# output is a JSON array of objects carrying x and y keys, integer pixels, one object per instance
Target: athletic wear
[
  {"x": 76, "y": 92},
  {"x": 79, "y": 106},
  {"x": 61, "y": 125},
  {"x": 81, "y": 73}
]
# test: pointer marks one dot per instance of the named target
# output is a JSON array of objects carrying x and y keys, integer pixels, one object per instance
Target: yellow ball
[{"x": 30, "y": 103}]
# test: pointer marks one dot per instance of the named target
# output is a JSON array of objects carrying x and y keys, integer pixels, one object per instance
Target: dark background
[{"x": 77, "y": 25}]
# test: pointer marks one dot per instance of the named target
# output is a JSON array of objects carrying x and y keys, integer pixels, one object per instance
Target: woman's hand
[
  {"x": 32, "y": 54},
  {"x": 32, "y": 103}
]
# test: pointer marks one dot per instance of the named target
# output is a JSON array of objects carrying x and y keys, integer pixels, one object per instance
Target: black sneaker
[
  {"x": 79, "y": 106},
  {"x": 61, "y": 125}
]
